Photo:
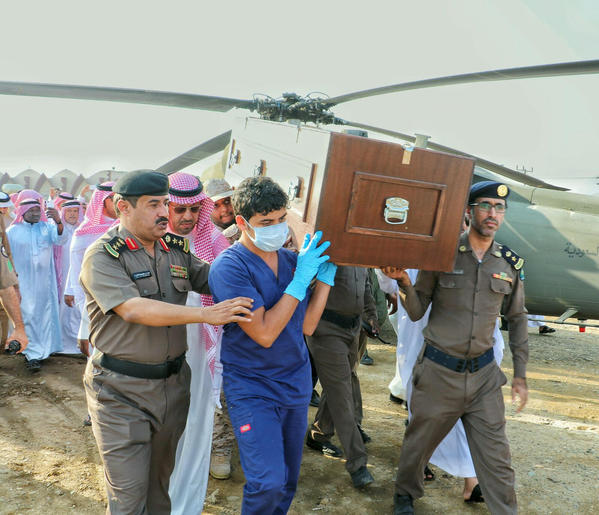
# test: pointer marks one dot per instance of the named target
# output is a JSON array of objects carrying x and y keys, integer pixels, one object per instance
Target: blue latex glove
[
  {"x": 326, "y": 273},
  {"x": 308, "y": 262}
]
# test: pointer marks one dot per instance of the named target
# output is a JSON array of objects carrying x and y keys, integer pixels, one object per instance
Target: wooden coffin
[{"x": 376, "y": 202}]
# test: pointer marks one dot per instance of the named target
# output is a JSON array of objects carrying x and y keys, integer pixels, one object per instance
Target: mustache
[
  {"x": 161, "y": 219},
  {"x": 490, "y": 219}
]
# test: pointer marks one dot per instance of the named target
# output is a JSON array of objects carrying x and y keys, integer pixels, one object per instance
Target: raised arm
[
  {"x": 414, "y": 298},
  {"x": 324, "y": 280}
]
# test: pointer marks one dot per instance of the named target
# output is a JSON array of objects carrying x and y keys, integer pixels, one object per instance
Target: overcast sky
[{"x": 238, "y": 48}]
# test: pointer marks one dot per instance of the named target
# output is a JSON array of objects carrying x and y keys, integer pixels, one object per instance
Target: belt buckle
[
  {"x": 474, "y": 364},
  {"x": 462, "y": 365}
]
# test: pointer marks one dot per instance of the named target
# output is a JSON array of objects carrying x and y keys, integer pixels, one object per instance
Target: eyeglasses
[
  {"x": 487, "y": 206},
  {"x": 181, "y": 209}
]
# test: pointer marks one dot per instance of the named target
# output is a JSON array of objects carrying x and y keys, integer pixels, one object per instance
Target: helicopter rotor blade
[
  {"x": 203, "y": 150},
  {"x": 133, "y": 96},
  {"x": 483, "y": 163},
  {"x": 526, "y": 72}
]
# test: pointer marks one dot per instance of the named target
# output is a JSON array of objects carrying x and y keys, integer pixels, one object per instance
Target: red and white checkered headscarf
[
  {"x": 185, "y": 189},
  {"x": 95, "y": 222},
  {"x": 71, "y": 203},
  {"x": 61, "y": 198},
  {"x": 25, "y": 201}
]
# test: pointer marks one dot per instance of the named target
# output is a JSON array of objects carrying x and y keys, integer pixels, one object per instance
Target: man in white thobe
[
  {"x": 99, "y": 216},
  {"x": 32, "y": 237},
  {"x": 189, "y": 216},
  {"x": 71, "y": 214}
]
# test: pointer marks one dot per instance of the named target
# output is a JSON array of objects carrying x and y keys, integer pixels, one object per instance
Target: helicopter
[{"x": 557, "y": 231}]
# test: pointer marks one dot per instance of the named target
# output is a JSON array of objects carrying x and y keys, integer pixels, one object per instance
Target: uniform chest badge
[
  {"x": 504, "y": 277},
  {"x": 141, "y": 275},
  {"x": 179, "y": 272}
]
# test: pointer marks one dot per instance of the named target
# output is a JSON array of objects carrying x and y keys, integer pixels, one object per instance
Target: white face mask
[{"x": 270, "y": 238}]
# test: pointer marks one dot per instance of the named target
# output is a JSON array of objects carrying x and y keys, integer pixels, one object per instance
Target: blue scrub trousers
[{"x": 270, "y": 440}]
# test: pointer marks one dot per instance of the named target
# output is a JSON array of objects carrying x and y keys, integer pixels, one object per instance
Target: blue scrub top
[{"x": 280, "y": 373}]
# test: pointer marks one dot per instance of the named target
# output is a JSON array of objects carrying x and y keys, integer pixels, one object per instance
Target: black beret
[
  {"x": 142, "y": 182},
  {"x": 489, "y": 189}
]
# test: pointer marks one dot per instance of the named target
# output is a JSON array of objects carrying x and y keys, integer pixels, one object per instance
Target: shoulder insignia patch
[
  {"x": 174, "y": 242},
  {"x": 114, "y": 246},
  {"x": 512, "y": 258}
]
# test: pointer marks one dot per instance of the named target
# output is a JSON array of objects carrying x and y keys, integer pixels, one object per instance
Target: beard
[{"x": 484, "y": 230}]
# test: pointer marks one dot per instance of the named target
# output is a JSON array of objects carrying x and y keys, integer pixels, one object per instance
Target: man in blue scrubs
[{"x": 266, "y": 370}]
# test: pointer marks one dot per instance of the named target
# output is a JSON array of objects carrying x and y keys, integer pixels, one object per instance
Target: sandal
[{"x": 476, "y": 495}]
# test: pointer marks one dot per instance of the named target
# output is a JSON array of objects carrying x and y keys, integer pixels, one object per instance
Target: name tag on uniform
[
  {"x": 179, "y": 271},
  {"x": 503, "y": 276},
  {"x": 141, "y": 275},
  {"x": 457, "y": 272}
]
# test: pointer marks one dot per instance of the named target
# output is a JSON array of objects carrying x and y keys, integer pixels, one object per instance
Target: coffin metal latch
[{"x": 396, "y": 210}]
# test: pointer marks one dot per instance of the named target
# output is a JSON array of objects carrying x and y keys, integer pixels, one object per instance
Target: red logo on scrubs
[{"x": 245, "y": 428}]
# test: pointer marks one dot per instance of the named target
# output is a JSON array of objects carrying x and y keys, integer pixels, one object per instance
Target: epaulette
[
  {"x": 114, "y": 246},
  {"x": 117, "y": 244},
  {"x": 511, "y": 257},
  {"x": 172, "y": 241}
]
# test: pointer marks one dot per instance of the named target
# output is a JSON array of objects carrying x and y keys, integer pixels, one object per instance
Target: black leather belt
[
  {"x": 143, "y": 370},
  {"x": 458, "y": 364},
  {"x": 347, "y": 322}
]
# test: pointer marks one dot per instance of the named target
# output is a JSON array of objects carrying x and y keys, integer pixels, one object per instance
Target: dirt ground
[{"x": 49, "y": 462}]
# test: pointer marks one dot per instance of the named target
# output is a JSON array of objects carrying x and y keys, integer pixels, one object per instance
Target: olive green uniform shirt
[
  {"x": 467, "y": 301},
  {"x": 352, "y": 293},
  {"x": 8, "y": 276},
  {"x": 108, "y": 281}
]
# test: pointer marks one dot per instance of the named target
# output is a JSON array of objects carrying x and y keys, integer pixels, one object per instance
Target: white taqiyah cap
[
  {"x": 5, "y": 200},
  {"x": 218, "y": 189}
]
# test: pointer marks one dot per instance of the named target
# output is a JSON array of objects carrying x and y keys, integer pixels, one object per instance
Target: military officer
[
  {"x": 455, "y": 375},
  {"x": 9, "y": 294},
  {"x": 136, "y": 278},
  {"x": 5, "y": 220},
  {"x": 334, "y": 348}
]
